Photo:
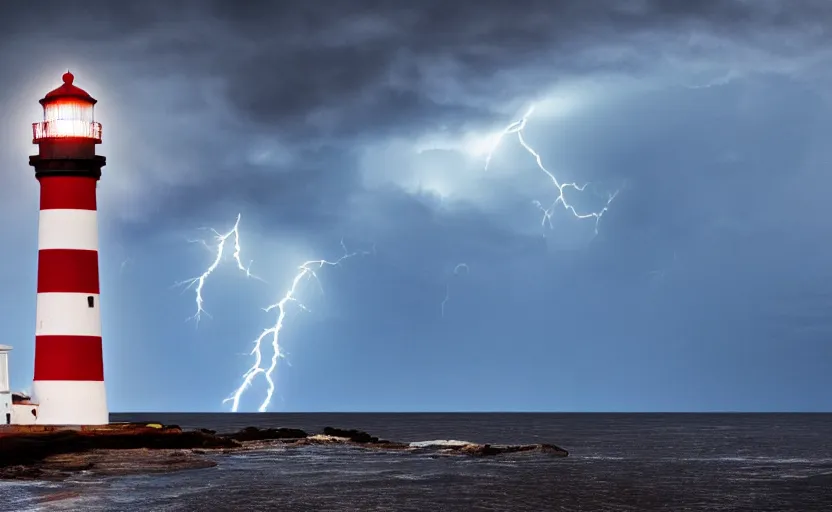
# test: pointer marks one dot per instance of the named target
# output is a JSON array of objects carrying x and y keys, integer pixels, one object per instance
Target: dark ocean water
[{"x": 618, "y": 462}]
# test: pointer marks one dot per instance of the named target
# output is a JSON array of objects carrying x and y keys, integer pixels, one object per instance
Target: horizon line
[{"x": 472, "y": 412}]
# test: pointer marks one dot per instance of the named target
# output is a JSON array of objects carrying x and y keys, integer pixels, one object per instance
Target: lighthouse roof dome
[{"x": 68, "y": 90}]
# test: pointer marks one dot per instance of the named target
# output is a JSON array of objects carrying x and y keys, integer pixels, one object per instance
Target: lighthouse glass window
[{"x": 68, "y": 118}]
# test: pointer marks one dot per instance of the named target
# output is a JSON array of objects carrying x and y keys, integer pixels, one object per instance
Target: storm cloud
[{"x": 366, "y": 120}]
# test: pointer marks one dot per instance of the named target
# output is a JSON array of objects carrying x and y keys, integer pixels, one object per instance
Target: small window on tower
[{"x": 91, "y": 301}]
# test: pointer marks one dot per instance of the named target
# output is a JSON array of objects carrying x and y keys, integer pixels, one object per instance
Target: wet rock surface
[
  {"x": 108, "y": 463},
  {"x": 27, "y": 449},
  {"x": 56, "y": 455},
  {"x": 484, "y": 450},
  {"x": 263, "y": 434},
  {"x": 356, "y": 436}
]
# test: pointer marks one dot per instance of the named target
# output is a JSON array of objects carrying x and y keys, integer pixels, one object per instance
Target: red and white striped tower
[{"x": 69, "y": 369}]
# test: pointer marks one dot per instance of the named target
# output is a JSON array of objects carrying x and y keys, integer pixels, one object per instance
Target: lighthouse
[{"x": 69, "y": 370}]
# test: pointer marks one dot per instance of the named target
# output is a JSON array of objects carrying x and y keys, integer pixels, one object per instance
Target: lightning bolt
[
  {"x": 198, "y": 283},
  {"x": 457, "y": 268},
  {"x": 518, "y": 127},
  {"x": 305, "y": 272}
]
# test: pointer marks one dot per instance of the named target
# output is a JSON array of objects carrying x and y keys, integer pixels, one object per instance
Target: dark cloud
[
  {"x": 295, "y": 75},
  {"x": 377, "y": 62},
  {"x": 318, "y": 120},
  {"x": 302, "y": 59},
  {"x": 308, "y": 197}
]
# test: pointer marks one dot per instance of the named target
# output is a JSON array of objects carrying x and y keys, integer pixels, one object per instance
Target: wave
[{"x": 440, "y": 443}]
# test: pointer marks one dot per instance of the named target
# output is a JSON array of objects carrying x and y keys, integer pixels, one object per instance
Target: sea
[{"x": 617, "y": 462}]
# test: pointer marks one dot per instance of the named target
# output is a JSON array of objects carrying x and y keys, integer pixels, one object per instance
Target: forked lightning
[
  {"x": 305, "y": 271},
  {"x": 198, "y": 283},
  {"x": 308, "y": 269},
  {"x": 518, "y": 127}
]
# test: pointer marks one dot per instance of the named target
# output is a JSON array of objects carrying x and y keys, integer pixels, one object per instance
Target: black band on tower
[{"x": 82, "y": 167}]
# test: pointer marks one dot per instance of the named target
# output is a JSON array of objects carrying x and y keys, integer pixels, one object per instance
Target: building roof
[
  {"x": 67, "y": 90},
  {"x": 5, "y": 348}
]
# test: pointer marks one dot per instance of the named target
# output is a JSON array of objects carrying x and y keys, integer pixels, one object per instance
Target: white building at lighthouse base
[{"x": 15, "y": 409}]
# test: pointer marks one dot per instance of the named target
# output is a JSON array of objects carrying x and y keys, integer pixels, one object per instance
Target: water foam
[{"x": 440, "y": 443}]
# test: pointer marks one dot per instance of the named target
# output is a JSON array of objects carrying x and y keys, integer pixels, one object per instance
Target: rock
[
  {"x": 551, "y": 449},
  {"x": 486, "y": 450},
  {"x": 325, "y": 439},
  {"x": 257, "y": 434},
  {"x": 121, "y": 449},
  {"x": 29, "y": 449},
  {"x": 20, "y": 472},
  {"x": 356, "y": 436},
  {"x": 107, "y": 463},
  {"x": 475, "y": 449}
]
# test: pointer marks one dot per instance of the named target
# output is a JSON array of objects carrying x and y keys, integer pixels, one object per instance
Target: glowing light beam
[{"x": 518, "y": 127}]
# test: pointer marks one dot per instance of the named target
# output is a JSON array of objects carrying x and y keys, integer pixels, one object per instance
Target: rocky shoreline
[{"x": 60, "y": 454}]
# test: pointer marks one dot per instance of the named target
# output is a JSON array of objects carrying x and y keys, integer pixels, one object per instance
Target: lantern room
[{"x": 67, "y": 115}]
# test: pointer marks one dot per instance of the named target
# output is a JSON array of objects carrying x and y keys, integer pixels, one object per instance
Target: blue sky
[{"x": 707, "y": 287}]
